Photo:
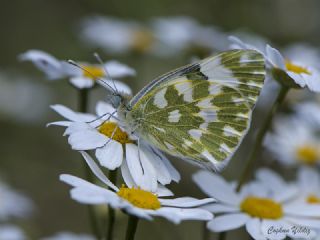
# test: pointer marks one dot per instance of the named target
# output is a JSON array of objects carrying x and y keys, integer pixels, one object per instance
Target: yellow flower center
[
  {"x": 262, "y": 208},
  {"x": 313, "y": 199},
  {"x": 93, "y": 72},
  {"x": 296, "y": 68},
  {"x": 307, "y": 154},
  {"x": 139, "y": 198},
  {"x": 142, "y": 40},
  {"x": 111, "y": 130}
]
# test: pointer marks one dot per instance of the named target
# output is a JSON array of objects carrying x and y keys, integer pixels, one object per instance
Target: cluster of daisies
[{"x": 269, "y": 207}]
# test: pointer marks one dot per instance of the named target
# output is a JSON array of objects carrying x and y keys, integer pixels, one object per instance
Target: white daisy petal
[
  {"x": 110, "y": 155},
  {"x": 176, "y": 215},
  {"x": 219, "y": 189},
  {"x": 126, "y": 175},
  {"x": 118, "y": 70},
  {"x": 220, "y": 208},
  {"x": 163, "y": 174},
  {"x": 162, "y": 191},
  {"x": 120, "y": 86},
  {"x": 138, "y": 212},
  {"x": 102, "y": 108},
  {"x": 303, "y": 210},
  {"x": 275, "y": 57},
  {"x": 87, "y": 140},
  {"x": 142, "y": 171},
  {"x": 77, "y": 127},
  {"x": 308, "y": 222},
  {"x": 228, "y": 222},
  {"x": 287, "y": 194},
  {"x": 71, "y": 115},
  {"x": 272, "y": 229},
  {"x": 185, "y": 202},
  {"x": 45, "y": 62},
  {"x": 253, "y": 227},
  {"x": 270, "y": 178},
  {"x": 59, "y": 123},
  {"x": 81, "y": 82},
  {"x": 97, "y": 171},
  {"x": 175, "y": 175}
]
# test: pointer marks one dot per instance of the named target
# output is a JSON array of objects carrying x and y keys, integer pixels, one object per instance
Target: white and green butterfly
[{"x": 199, "y": 112}]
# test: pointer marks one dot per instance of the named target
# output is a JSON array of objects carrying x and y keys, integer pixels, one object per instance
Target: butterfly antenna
[
  {"x": 100, "y": 80},
  {"x": 99, "y": 59}
]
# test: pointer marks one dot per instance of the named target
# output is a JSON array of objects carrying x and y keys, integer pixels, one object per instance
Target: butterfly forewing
[{"x": 202, "y": 112}]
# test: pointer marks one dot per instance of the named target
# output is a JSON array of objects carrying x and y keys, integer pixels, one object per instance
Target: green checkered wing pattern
[{"x": 202, "y": 111}]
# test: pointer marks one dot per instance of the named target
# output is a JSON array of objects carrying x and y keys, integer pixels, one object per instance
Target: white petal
[
  {"x": 220, "y": 208},
  {"x": 303, "y": 210},
  {"x": 307, "y": 222},
  {"x": 228, "y": 222},
  {"x": 77, "y": 127},
  {"x": 87, "y": 140},
  {"x": 176, "y": 215},
  {"x": 253, "y": 227},
  {"x": 216, "y": 187},
  {"x": 71, "y": 115},
  {"x": 308, "y": 179},
  {"x": 95, "y": 196},
  {"x": 287, "y": 194},
  {"x": 274, "y": 230},
  {"x": 74, "y": 181},
  {"x": 138, "y": 212},
  {"x": 102, "y": 108},
  {"x": 184, "y": 202},
  {"x": 275, "y": 57},
  {"x": 59, "y": 123},
  {"x": 110, "y": 155},
  {"x": 162, "y": 191},
  {"x": 142, "y": 171},
  {"x": 118, "y": 70},
  {"x": 126, "y": 175},
  {"x": 175, "y": 175},
  {"x": 120, "y": 86},
  {"x": 97, "y": 171},
  {"x": 81, "y": 82},
  {"x": 45, "y": 62},
  {"x": 271, "y": 179},
  {"x": 163, "y": 174}
]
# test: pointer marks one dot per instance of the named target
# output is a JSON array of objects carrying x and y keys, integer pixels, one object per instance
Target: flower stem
[
  {"x": 132, "y": 227},
  {"x": 83, "y": 107},
  {"x": 222, "y": 236},
  {"x": 260, "y": 136},
  {"x": 111, "y": 211},
  {"x": 205, "y": 232}
]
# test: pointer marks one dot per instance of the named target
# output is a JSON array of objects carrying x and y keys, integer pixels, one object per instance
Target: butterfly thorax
[{"x": 129, "y": 121}]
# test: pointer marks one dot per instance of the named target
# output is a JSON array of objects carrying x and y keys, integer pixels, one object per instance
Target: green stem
[
  {"x": 205, "y": 232},
  {"x": 222, "y": 236},
  {"x": 83, "y": 107},
  {"x": 83, "y": 100},
  {"x": 132, "y": 227},
  {"x": 111, "y": 211},
  {"x": 260, "y": 136}
]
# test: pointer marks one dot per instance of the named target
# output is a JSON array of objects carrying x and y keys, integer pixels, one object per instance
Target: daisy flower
[
  {"x": 308, "y": 181},
  {"x": 282, "y": 68},
  {"x": 13, "y": 204},
  {"x": 309, "y": 54},
  {"x": 115, "y": 35},
  {"x": 176, "y": 34},
  {"x": 293, "y": 142},
  {"x": 114, "y": 148},
  {"x": 11, "y": 232},
  {"x": 80, "y": 78},
  {"x": 134, "y": 200},
  {"x": 69, "y": 236},
  {"x": 265, "y": 214}
]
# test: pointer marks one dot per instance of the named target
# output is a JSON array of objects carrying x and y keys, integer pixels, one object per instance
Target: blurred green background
[{"x": 33, "y": 156}]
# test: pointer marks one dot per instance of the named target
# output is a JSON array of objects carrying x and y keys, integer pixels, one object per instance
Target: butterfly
[{"x": 199, "y": 112}]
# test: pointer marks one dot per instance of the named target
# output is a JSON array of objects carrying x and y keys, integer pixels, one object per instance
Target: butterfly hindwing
[{"x": 202, "y": 112}]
